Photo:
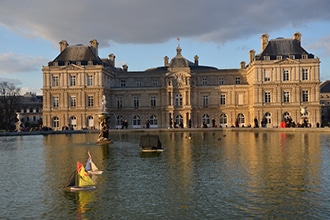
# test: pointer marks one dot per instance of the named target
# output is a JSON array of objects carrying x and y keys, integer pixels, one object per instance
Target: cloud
[
  {"x": 323, "y": 44},
  {"x": 11, "y": 80},
  {"x": 150, "y": 21},
  {"x": 18, "y": 63}
]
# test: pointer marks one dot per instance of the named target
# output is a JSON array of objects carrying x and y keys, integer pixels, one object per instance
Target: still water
[{"x": 200, "y": 175}]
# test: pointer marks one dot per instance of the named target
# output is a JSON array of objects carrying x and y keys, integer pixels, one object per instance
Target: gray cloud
[
  {"x": 152, "y": 21},
  {"x": 15, "y": 63}
]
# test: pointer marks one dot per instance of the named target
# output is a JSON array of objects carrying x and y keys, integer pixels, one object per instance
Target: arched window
[
  {"x": 240, "y": 119},
  {"x": 223, "y": 120},
  {"x": 136, "y": 121},
  {"x": 119, "y": 122},
  {"x": 206, "y": 119},
  {"x": 73, "y": 121},
  {"x": 90, "y": 121},
  {"x": 56, "y": 123},
  {"x": 286, "y": 115},
  {"x": 179, "y": 120},
  {"x": 153, "y": 120}
]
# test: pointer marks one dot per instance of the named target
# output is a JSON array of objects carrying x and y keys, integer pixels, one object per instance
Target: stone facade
[{"x": 280, "y": 83}]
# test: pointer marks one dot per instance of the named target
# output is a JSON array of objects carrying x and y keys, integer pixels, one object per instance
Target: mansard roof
[
  {"x": 283, "y": 47},
  {"x": 325, "y": 87},
  {"x": 81, "y": 53}
]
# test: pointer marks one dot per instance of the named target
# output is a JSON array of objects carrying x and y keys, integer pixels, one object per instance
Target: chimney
[
  {"x": 95, "y": 46},
  {"x": 63, "y": 45},
  {"x": 112, "y": 59},
  {"x": 264, "y": 41},
  {"x": 242, "y": 64},
  {"x": 125, "y": 67},
  {"x": 196, "y": 59},
  {"x": 252, "y": 54},
  {"x": 296, "y": 36},
  {"x": 166, "y": 61}
]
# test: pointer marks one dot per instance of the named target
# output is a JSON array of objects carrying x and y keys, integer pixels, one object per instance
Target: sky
[{"x": 140, "y": 33}]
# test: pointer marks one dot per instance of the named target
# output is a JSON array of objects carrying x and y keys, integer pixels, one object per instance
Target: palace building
[{"x": 279, "y": 84}]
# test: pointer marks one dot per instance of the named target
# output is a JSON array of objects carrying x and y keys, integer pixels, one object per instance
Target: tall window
[
  {"x": 178, "y": 99},
  {"x": 205, "y": 100},
  {"x": 304, "y": 74},
  {"x": 286, "y": 96},
  {"x": 206, "y": 119},
  {"x": 55, "y": 81},
  {"x": 305, "y": 95},
  {"x": 153, "y": 101},
  {"x": 221, "y": 81},
  {"x": 238, "y": 80},
  {"x": 73, "y": 80},
  {"x": 73, "y": 121},
  {"x": 90, "y": 101},
  {"x": 153, "y": 120},
  {"x": 268, "y": 118},
  {"x": 122, "y": 83},
  {"x": 136, "y": 102},
  {"x": 55, "y": 102},
  {"x": 179, "y": 119},
  {"x": 138, "y": 83},
  {"x": 222, "y": 99},
  {"x": 73, "y": 101},
  {"x": 240, "y": 118},
  {"x": 267, "y": 97},
  {"x": 136, "y": 120},
  {"x": 266, "y": 75},
  {"x": 223, "y": 119},
  {"x": 154, "y": 82},
  {"x": 204, "y": 81},
  {"x": 285, "y": 75},
  {"x": 89, "y": 80},
  {"x": 119, "y": 102},
  {"x": 56, "y": 122}
]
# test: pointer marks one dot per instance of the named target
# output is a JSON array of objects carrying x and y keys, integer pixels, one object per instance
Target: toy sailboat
[
  {"x": 90, "y": 167},
  {"x": 80, "y": 180}
]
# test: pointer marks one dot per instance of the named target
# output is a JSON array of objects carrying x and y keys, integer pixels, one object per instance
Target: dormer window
[
  {"x": 266, "y": 57},
  {"x": 279, "y": 57},
  {"x": 304, "y": 56},
  {"x": 292, "y": 57}
]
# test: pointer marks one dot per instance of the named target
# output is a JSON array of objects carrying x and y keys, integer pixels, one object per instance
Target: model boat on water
[
  {"x": 90, "y": 167},
  {"x": 80, "y": 180},
  {"x": 150, "y": 144}
]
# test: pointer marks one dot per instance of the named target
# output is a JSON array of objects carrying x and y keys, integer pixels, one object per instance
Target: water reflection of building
[{"x": 273, "y": 86}]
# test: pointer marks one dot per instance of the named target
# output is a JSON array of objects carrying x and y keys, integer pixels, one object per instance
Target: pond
[{"x": 201, "y": 175}]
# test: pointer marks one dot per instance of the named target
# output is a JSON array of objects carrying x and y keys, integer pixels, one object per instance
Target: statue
[
  {"x": 19, "y": 122},
  {"x": 104, "y": 103},
  {"x": 103, "y": 137},
  {"x": 303, "y": 111}
]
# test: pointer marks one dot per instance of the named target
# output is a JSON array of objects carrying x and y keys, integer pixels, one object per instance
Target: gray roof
[
  {"x": 80, "y": 53},
  {"x": 325, "y": 87},
  {"x": 283, "y": 47}
]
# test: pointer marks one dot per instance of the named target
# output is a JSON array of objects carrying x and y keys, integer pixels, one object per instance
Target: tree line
[{"x": 9, "y": 103}]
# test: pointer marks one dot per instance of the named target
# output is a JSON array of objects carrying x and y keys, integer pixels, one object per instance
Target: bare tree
[{"x": 9, "y": 98}]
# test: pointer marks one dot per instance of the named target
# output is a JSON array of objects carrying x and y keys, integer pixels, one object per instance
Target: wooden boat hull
[
  {"x": 78, "y": 188},
  {"x": 98, "y": 172},
  {"x": 152, "y": 150}
]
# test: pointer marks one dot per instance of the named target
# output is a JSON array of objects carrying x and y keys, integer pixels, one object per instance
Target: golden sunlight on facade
[{"x": 280, "y": 84}]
